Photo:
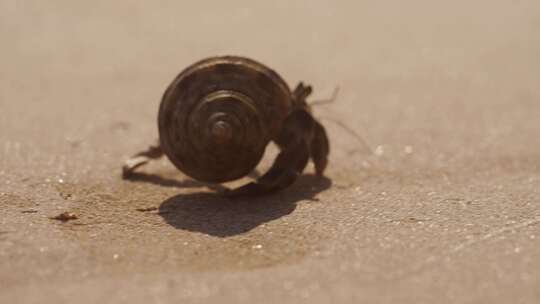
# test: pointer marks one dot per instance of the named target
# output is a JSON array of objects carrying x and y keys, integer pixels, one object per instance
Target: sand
[{"x": 431, "y": 196}]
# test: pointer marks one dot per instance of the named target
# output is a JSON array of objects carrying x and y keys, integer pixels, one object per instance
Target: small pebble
[
  {"x": 29, "y": 211},
  {"x": 65, "y": 216},
  {"x": 147, "y": 209},
  {"x": 379, "y": 151}
]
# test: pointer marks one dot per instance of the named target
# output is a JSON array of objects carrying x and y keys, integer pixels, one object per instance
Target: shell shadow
[{"x": 218, "y": 216}]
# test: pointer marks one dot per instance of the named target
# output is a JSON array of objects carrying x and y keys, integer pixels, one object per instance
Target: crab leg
[
  {"x": 294, "y": 141},
  {"x": 141, "y": 158}
]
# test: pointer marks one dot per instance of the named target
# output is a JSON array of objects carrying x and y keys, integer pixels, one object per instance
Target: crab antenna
[
  {"x": 328, "y": 100},
  {"x": 351, "y": 132}
]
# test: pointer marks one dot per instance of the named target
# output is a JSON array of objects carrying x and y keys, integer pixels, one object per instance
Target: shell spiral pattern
[{"x": 217, "y": 117}]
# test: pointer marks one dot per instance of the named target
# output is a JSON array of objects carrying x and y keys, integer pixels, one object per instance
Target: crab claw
[
  {"x": 294, "y": 141},
  {"x": 320, "y": 148}
]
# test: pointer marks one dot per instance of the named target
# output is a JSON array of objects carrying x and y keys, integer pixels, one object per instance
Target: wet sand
[{"x": 431, "y": 196}]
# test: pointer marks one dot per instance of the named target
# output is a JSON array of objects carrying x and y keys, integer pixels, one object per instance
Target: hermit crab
[{"x": 219, "y": 114}]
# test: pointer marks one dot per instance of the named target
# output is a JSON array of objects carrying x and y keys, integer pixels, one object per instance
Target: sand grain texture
[{"x": 444, "y": 206}]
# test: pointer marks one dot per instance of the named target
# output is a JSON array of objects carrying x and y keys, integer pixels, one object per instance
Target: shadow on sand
[{"x": 218, "y": 216}]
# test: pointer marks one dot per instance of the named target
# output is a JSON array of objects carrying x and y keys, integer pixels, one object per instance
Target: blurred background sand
[{"x": 444, "y": 206}]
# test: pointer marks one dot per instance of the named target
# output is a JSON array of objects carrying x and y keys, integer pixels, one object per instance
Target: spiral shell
[{"x": 218, "y": 115}]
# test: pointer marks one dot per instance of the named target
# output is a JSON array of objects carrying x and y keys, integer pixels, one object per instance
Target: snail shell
[{"x": 218, "y": 115}]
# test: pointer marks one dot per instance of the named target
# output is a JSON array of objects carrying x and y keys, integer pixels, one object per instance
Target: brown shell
[{"x": 218, "y": 115}]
